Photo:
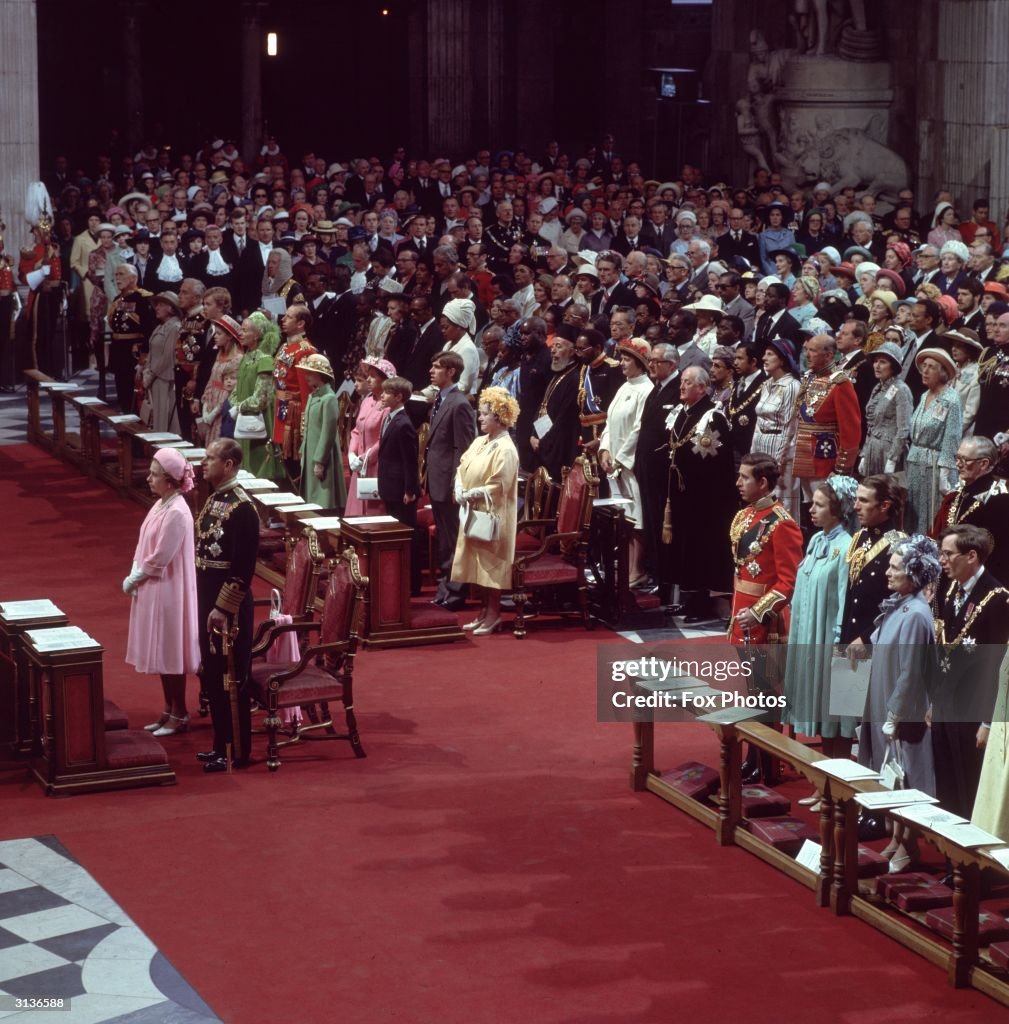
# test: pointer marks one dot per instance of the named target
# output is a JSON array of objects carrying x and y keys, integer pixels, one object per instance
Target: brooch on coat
[{"x": 707, "y": 443}]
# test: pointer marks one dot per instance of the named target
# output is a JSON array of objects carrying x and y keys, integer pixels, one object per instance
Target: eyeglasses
[
  {"x": 961, "y": 460},
  {"x": 659, "y": 360}
]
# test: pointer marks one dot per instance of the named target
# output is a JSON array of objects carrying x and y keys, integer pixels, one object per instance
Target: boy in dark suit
[{"x": 398, "y": 474}]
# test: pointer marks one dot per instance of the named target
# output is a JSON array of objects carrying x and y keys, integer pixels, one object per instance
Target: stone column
[
  {"x": 253, "y": 43},
  {"x": 449, "y": 79},
  {"x": 963, "y": 105},
  {"x": 621, "y": 73},
  {"x": 19, "y": 117},
  {"x": 130, "y": 16}
]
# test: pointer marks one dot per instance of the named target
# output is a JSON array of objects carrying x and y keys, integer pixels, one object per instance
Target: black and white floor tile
[
  {"x": 14, "y": 407},
  {"x": 62, "y": 935}
]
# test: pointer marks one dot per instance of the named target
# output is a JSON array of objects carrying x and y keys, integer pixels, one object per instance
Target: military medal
[{"x": 744, "y": 421}]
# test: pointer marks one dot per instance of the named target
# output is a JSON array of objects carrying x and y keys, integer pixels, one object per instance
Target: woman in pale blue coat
[
  {"x": 774, "y": 236},
  {"x": 821, "y": 584},
  {"x": 903, "y": 656}
]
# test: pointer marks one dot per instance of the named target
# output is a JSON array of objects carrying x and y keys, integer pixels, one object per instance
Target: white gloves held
[
  {"x": 135, "y": 578},
  {"x": 355, "y": 462}
]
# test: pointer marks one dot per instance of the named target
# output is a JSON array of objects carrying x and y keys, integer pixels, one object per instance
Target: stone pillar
[
  {"x": 416, "y": 55},
  {"x": 963, "y": 105},
  {"x": 534, "y": 78},
  {"x": 130, "y": 16},
  {"x": 253, "y": 43},
  {"x": 449, "y": 77},
  {"x": 19, "y": 117},
  {"x": 620, "y": 77}
]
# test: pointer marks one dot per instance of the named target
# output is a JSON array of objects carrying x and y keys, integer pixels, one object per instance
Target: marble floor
[
  {"x": 14, "y": 408},
  {"x": 62, "y": 935}
]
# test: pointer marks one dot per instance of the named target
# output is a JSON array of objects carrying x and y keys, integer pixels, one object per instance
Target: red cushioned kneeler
[
  {"x": 991, "y": 926},
  {"x": 999, "y": 953},
  {"x": 115, "y": 717},
  {"x": 871, "y": 864},
  {"x": 134, "y": 748},
  {"x": 693, "y": 779},
  {"x": 888, "y": 886},
  {"x": 761, "y": 802},
  {"x": 925, "y": 897},
  {"x": 784, "y": 834}
]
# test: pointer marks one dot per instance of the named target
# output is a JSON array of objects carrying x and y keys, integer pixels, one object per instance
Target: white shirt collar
[{"x": 969, "y": 585}]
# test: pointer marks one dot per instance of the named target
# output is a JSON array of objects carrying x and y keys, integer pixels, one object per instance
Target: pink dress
[
  {"x": 164, "y": 631},
  {"x": 364, "y": 441}
]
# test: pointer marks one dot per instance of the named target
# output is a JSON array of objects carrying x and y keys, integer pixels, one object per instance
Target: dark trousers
[
  {"x": 214, "y": 667},
  {"x": 182, "y": 405},
  {"x": 123, "y": 367},
  {"x": 957, "y": 765},
  {"x": 446, "y": 522}
]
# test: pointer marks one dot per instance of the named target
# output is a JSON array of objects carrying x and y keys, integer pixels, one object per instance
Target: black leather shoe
[
  {"x": 208, "y": 755},
  {"x": 676, "y": 609},
  {"x": 218, "y": 764},
  {"x": 454, "y": 604}
]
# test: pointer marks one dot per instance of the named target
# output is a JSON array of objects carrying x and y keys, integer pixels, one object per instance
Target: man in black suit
[
  {"x": 453, "y": 428},
  {"x": 651, "y": 461},
  {"x": 972, "y": 616},
  {"x": 925, "y": 317},
  {"x": 738, "y": 242},
  {"x": 628, "y": 239},
  {"x": 249, "y": 276},
  {"x": 776, "y": 322},
  {"x": 398, "y": 477},
  {"x": 235, "y": 237},
  {"x": 613, "y": 292},
  {"x": 211, "y": 266},
  {"x": 657, "y": 232},
  {"x": 412, "y": 354},
  {"x": 740, "y": 410},
  {"x": 856, "y": 363}
]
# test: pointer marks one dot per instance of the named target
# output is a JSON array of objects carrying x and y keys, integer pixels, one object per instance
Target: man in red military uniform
[
  {"x": 290, "y": 388},
  {"x": 40, "y": 268},
  {"x": 829, "y": 418},
  {"x": 767, "y": 549}
]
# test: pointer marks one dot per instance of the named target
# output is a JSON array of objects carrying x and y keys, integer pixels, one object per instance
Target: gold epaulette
[
  {"x": 241, "y": 493},
  {"x": 144, "y": 292},
  {"x": 610, "y": 361}
]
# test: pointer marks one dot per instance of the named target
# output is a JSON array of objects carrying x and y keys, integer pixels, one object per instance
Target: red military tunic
[
  {"x": 767, "y": 549},
  {"x": 291, "y": 393},
  {"x": 829, "y": 426}
]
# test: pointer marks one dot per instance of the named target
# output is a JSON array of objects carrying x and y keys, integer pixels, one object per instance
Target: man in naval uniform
[{"x": 227, "y": 541}]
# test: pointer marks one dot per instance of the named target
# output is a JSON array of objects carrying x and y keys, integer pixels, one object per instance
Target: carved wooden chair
[
  {"x": 560, "y": 556},
  {"x": 325, "y": 671},
  {"x": 301, "y": 580},
  {"x": 539, "y": 503}
]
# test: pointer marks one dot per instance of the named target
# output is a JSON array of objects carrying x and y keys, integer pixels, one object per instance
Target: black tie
[{"x": 437, "y": 406}]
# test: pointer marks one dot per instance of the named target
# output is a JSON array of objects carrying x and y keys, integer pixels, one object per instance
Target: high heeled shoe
[
  {"x": 808, "y": 801},
  {"x": 904, "y": 858},
  {"x": 165, "y": 715},
  {"x": 183, "y": 726},
  {"x": 486, "y": 628},
  {"x": 470, "y": 627}
]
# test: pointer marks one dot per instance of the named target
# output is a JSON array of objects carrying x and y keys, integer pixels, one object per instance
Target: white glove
[
  {"x": 135, "y": 578},
  {"x": 890, "y": 466},
  {"x": 355, "y": 462},
  {"x": 233, "y": 412},
  {"x": 890, "y": 726},
  {"x": 862, "y": 466},
  {"x": 148, "y": 378}
]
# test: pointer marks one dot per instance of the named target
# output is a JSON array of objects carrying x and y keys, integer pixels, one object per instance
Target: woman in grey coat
[
  {"x": 887, "y": 414},
  {"x": 903, "y": 653}
]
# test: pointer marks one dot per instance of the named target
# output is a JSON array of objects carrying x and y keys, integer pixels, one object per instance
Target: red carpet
[{"x": 486, "y": 862}]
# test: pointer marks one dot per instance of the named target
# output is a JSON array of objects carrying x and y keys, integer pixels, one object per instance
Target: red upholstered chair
[
  {"x": 539, "y": 503},
  {"x": 325, "y": 671},
  {"x": 301, "y": 581},
  {"x": 560, "y": 557}
]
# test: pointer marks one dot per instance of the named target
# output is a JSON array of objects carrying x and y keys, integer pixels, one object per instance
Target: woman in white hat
[
  {"x": 708, "y": 310},
  {"x": 321, "y": 460},
  {"x": 966, "y": 348},
  {"x": 159, "y": 370},
  {"x": 936, "y": 431}
]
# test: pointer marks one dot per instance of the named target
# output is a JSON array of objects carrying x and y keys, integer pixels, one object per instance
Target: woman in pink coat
[
  {"x": 362, "y": 452},
  {"x": 164, "y": 637}
]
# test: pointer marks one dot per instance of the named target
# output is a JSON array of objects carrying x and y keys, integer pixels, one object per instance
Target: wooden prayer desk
[
  {"x": 92, "y": 412},
  {"x": 19, "y": 714},
  {"x": 75, "y": 753},
  {"x": 383, "y": 545},
  {"x": 32, "y": 380},
  {"x": 609, "y": 557}
]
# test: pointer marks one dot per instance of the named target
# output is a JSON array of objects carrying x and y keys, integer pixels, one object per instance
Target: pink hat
[
  {"x": 383, "y": 366},
  {"x": 176, "y": 466}
]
